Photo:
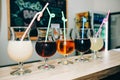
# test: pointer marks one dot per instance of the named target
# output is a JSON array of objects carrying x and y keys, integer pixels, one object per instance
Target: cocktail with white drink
[{"x": 20, "y": 51}]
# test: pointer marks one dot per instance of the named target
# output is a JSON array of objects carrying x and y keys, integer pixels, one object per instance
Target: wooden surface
[{"x": 93, "y": 70}]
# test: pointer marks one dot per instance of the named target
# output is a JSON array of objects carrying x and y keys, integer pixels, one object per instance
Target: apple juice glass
[{"x": 96, "y": 44}]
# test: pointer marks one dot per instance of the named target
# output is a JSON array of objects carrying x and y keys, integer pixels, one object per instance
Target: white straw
[
  {"x": 38, "y": 13},
  {"x": 38, "y": 18}
]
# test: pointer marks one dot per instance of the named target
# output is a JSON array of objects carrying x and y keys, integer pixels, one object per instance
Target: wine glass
[
  {"x": 45, "y": 46},
  {"x": 82, "y": 43},
  {"x": 19, "y": 51},
  {"x": 96, "y": 44},
  {"x": 65, "y": 45}
]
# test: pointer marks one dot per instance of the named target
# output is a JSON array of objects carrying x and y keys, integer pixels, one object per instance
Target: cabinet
[{"x": 114, "y": 30}]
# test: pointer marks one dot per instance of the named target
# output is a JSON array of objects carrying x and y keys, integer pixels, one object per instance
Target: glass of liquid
[
  {"x": 82, "y": 43},
  {"x": 45, "y": 47},
  {"x": 97, "y": 43},
  {"x": 65, "y": 45},
  {"x": 19, "y": 51}
]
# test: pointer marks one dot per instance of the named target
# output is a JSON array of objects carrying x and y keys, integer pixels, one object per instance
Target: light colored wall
[
  {"x": 74, "y": 6},
  {"x": 0, "y": 14},
  {"x": 105, "y": 5},
  {"x": 3, "y": 36}
]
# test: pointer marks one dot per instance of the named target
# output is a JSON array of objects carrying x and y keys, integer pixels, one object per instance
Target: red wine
[
  {"x": 82, "y": 45},
  {"x": 45, "y": 49}
]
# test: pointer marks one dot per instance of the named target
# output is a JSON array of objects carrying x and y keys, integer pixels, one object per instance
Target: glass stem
[
  {"x": 81, "y": 56},
  {"x": 21, "y": 66},
  {"x": 94, "y": 55},
  {"x": 65, "y": 57},
  {"x": 45, "y": 61},
  {"x": 65, "y": 60}
]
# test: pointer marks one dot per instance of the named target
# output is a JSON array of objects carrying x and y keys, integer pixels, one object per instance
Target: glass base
[
  {"x": 46, "y": 66},
  {"x": 82, "y": 59},
  {"x": 65, "y": 62},
  {"x": 21, "y": 71},
  {"x": 95, "y": 56}
]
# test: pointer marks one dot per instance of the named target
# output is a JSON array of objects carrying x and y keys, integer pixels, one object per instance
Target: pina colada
[{"x": 20, "y": 51}]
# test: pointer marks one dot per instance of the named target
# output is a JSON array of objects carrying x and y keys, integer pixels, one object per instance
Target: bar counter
[{"x": 93, "y": 70}]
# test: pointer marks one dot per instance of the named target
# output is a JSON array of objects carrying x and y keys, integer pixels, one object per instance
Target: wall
[
  {"x": 74, "y": 6},
  {"x": 0, "y": 15},
  {"x": 3, "y": 36},
  {"x": 105, "y": 5}
]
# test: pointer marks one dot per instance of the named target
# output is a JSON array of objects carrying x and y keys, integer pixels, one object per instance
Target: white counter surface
[{"x": 65, "y": 72}]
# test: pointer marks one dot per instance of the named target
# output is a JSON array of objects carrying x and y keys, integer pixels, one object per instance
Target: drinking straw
[
  {"x": 64, "y": 20},
  {"x": 52, "y": 15},
  {"x": 103, "y": 22},
  {"x": 84, "y": 20},
  {"x": 39, "y": 14}
]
